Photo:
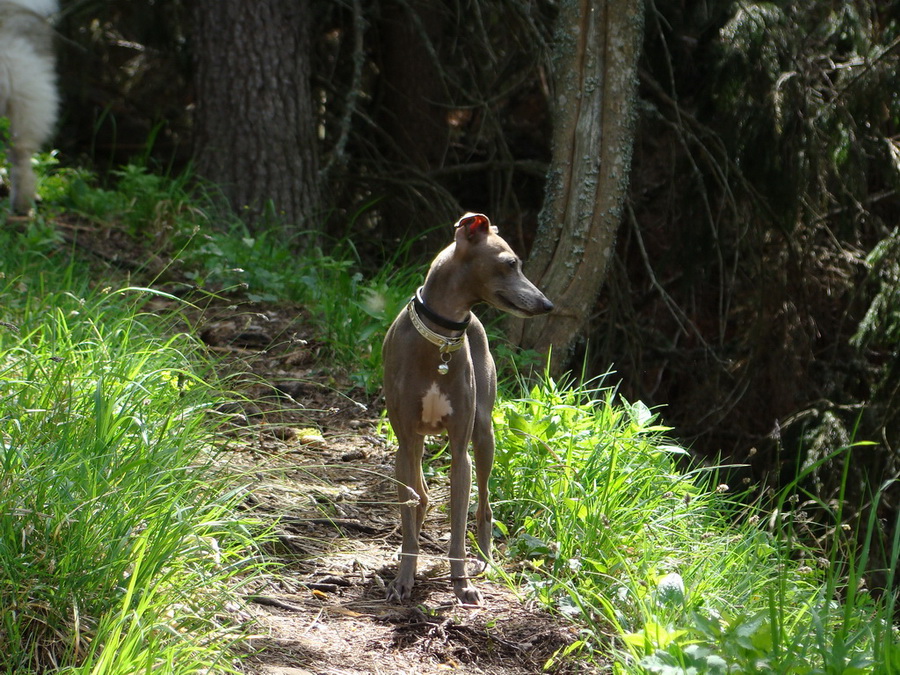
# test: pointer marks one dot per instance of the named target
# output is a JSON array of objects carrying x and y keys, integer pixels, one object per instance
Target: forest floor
[{"x": 315, "y": 466}]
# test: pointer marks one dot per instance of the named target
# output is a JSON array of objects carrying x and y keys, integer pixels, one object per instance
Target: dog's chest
[{"x": 436, "y": 406}]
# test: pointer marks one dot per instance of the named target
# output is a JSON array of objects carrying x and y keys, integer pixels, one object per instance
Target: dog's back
[{"x": 28, "y": 95}]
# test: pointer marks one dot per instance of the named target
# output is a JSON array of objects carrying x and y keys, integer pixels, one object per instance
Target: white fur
[
  {"x": 435, "y": 406},
  {"x": 28, "y": 94},
  {"x": 43, "y": 7}
]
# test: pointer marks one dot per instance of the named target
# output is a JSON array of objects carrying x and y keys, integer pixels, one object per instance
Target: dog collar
[
  {"x": 434, "y": 317},
  {"x": 447, "y": 345}
]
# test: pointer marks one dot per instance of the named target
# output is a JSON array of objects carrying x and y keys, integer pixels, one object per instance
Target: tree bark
[
  {"x": 255, "y": 132},
  {"x": 595, "y": 67}
]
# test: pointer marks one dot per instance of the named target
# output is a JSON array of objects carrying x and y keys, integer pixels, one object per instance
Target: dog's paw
[
  {"x": 466, "y": 593},
  {"x": 399, "y": 591}
]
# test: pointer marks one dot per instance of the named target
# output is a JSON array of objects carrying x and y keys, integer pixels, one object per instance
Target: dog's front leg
[
  {"x": 483, "y": 449},
  {"x": 413, "y": 495},
  {"x": 460, "y": 487}
]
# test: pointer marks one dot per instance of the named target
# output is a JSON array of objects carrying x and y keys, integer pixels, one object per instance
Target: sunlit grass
[{"x": 120, "y": 543}]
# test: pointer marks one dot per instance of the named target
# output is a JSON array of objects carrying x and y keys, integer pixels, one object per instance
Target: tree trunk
[
  {"x": 595, "y": 66},
  {"x": 255, "y": 124}
]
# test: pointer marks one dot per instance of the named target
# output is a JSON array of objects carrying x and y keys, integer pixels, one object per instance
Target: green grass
[
  {"x": 119, "y": 539},
  {"x": 667, "y": 567}
]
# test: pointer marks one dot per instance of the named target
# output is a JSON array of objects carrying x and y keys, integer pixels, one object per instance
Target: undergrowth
[
  {"x": 667, "y": 566},
  {"x": 348, "y": 305}
]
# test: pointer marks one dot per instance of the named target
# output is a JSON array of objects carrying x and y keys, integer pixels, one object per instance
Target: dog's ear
[{"x": 474, "y": 226}]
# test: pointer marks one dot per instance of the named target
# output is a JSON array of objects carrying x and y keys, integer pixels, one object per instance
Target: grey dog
[{"x": 439, "y": 376}]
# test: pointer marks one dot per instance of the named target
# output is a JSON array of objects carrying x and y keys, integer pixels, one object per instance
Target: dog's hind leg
[
  {"x": 483, "y": 434},
  {"x": 32, "y": 102}
]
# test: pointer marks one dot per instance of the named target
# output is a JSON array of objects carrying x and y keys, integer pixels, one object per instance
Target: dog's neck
[
  {"x": 452, "y": 302},
  {"x": 424, "y": 311}
]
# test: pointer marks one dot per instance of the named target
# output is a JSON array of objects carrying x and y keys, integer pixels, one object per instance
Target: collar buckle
[{"x": 446, "y": 345}]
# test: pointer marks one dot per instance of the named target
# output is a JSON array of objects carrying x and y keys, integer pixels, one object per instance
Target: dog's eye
[{"x": 513, "y": 263}]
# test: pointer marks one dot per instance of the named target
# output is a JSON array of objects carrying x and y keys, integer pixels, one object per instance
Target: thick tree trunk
[
  {"x": 595, "y": 70},
  {"x": 255, "y": 124}
]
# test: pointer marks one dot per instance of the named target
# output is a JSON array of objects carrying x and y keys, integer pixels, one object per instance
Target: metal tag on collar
[
  {"x": 446, "y": 345},
  {"x": 450, "y": 345}
]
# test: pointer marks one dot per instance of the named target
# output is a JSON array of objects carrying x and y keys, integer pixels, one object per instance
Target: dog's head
[{"x": 494, "y": 270}]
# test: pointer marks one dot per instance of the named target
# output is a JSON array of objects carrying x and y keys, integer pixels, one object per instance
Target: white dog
[{"x": 28, "y": 94}]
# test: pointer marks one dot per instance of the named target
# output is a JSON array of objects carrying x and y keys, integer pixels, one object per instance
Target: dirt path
[
  {"x": 323, "y": 610},
  {"x": 320, "y": 469}
]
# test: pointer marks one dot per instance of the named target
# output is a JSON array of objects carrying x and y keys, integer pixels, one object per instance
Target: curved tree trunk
[
  {"x": 255, "y": 123},
  {"x": 595, "y": 66}
]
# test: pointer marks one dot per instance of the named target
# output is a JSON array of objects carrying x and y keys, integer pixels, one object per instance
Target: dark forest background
[{"x": 755, "y": 287}]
